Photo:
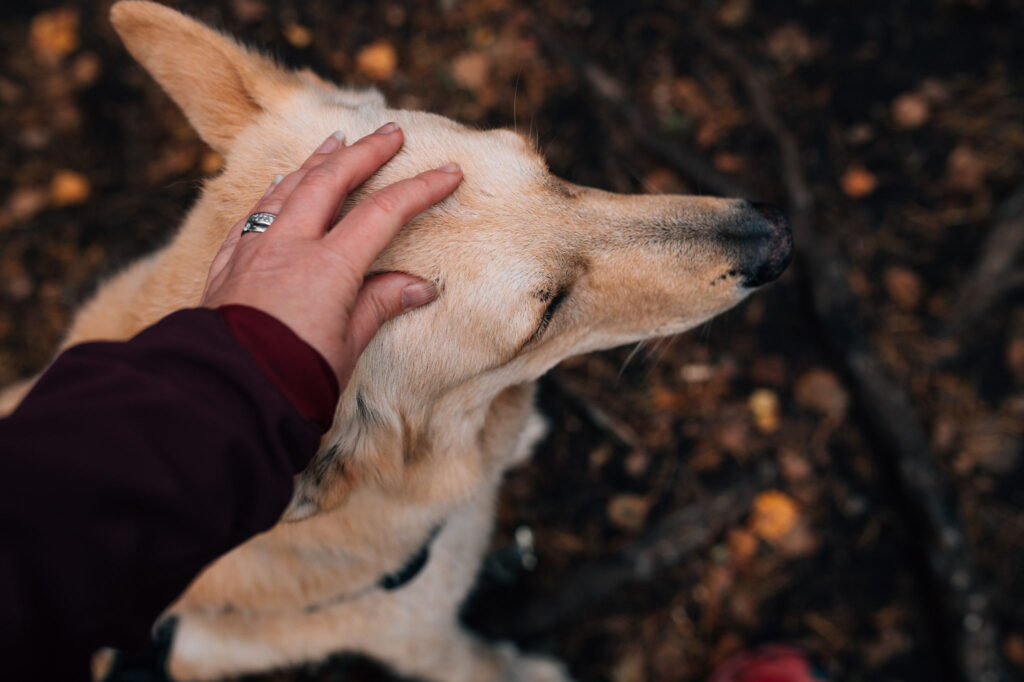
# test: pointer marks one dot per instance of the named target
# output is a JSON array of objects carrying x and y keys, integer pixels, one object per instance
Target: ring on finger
[{"x": 258, "y": 222}]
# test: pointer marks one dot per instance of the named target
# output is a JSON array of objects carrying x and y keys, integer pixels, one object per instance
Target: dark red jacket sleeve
[{"x": 130, "y": 466}]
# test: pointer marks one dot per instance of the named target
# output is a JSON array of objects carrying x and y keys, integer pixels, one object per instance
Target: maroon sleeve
[
  {"x": 130, "y": 466},
  {"x": 295, "y": 367}
]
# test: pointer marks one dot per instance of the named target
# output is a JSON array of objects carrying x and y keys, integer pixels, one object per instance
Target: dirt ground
[{"x": 910, "y": 120}]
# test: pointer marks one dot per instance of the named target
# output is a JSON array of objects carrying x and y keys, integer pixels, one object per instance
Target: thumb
[{"x": 382, "y": 297}]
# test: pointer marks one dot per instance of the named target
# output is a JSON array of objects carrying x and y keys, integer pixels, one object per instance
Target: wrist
[{"x": 294, "y": 366}]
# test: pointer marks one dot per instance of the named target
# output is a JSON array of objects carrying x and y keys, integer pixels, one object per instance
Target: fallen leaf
[
  {"x": 667, "y": 399},
  {"x": 965, "y": 170},
  {"x": 249, "y": 10},
  {"x": 1015, "y": 359},
  {"x": 85, "y": 69},
  {"x": 742, "y": 546},
  {"x": 298, "y": 35},
  {"x": 798, "y": 542},
  {"x": 471, "y": 70},
  {"x": 733, "y": 13},
  {"x": 688, "y": 96},
  {"x": 903, "y": 286},
  {"x": 630, "y": 667},
  {"x": 889, "y": 644},
  {"x": 663, "y": 181},
  {"x": 989, "y": 446},
  {"x": 25, "y": 202},
  {"x": 377, "y": 60},
  {"x": 16, "y": 281},
  {"x": 628, "y": 512},
  {"x": 697, "y": 373},
  {"x": 69, "y": 187},
  {"x": 636, "y": 464},
  {"x": 599, "y": 457},
  {"x": 769, "y": 370},
  {"x": 10, "y": 92},
  {"x": 791, "y": 45},
  {"x": 53, "y": 34},
  {"x": 858, "y": 182},
  {"x": 483, "y": 36},
  {"x": 731, "y": 434},
  {"x": 911, "y": 110},
  {"x": 820, "y": 390},
  {"x": 764, "y": 404},
  {"x": 773, "y": 516},
  {"x": 1013, "y": 649},
  {"x": 860, "y": 134},
  {"x": 728, "y": 163},
  {"x": 793, "y": 467}
]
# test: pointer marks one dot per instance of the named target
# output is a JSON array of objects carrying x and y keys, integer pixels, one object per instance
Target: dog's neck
[{"x": 436, "y": 457}]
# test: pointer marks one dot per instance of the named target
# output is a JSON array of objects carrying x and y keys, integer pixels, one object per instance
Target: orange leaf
[
  {"x": 54, "y": 34},
  {"x": 69, "y": 187},
  {"x": 773, "y": 516},
  {"x": 858, "y": 182},
  {"x": 378, "y": 60}
]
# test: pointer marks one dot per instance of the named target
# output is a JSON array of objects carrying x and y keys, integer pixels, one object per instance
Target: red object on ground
[{"x": 769, "y": 663}]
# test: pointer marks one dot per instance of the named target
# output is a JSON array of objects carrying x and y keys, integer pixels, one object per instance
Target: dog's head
[{"x": 530, "y": 269}]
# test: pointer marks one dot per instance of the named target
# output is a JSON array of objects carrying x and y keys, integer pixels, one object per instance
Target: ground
[{"x": 910, "y": 123}]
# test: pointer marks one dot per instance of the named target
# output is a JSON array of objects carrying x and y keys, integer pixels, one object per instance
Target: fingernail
[
  {"x": 329, "y": 145},
  {"x": 450, "y": 168},
  {"x": 274, "y": 183},
  {"x": 418, "y": 294},
  {"x": 386, "y": 129}
]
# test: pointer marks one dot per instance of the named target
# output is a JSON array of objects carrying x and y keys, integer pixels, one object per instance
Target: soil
[{"x": 910, "y": 116}]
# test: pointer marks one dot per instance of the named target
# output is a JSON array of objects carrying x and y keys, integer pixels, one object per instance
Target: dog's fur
[{"x": 530, "y": 269}]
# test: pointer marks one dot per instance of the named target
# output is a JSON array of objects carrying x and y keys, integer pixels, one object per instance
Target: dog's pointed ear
[{"x": 221, "y": 86}]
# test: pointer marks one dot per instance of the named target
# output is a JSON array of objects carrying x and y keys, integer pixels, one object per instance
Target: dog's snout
[{"x": 766, "y": 244}]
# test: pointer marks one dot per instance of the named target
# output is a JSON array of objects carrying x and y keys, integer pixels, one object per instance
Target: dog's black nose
[{"x": 768, "y": 245}]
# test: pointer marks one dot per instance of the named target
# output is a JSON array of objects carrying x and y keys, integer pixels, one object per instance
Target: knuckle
[
  {"x": 423, "y": 186},
  {"x": 324, "y": 176},
  {"x": 272, "y": 204},
  {"x": 386, "y": 202}
]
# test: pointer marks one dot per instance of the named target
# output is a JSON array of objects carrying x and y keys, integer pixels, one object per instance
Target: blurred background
[{"x": 838, "y": 462}]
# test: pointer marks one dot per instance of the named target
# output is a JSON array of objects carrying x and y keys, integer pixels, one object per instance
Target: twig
[
  {"x": 612, "y": 92},
  {"x": 954, "y": 577},
  {"x": 670, "y": 542},
  {"x": 618, "y": 429},
  {"x": 993, "y": 275},
  {"x": 887, "y": 408}
]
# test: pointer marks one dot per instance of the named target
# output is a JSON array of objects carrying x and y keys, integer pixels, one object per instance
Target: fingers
[
  {"x": 374, "y": 222},
  {"x": 316, "y": 201},
  {"x": 383, "y": 297},
  {"x": 282, "y": 187}
]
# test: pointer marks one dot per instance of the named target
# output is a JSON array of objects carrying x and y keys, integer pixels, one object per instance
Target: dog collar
[
  {"x": 412, "y": 566},
  {"x": 149, "y": 665}
]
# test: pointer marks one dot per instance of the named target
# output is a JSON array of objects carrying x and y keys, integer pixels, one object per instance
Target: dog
[{"x": 387, "y": 527}]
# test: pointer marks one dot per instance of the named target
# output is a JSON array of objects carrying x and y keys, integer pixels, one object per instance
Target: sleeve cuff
[{"x": 295, "y": 368}]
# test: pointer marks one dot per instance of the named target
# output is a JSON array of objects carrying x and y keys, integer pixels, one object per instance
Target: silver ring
[{"x": 258, "y": 222}]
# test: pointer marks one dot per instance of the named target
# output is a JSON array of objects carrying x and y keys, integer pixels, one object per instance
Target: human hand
[{"x": 312, "y": 279}]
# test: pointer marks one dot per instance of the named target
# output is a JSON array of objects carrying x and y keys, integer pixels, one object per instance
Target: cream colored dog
[{"x": 530, "y": 269}]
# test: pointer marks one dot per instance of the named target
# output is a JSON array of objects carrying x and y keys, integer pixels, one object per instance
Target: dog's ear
[{"x": 221, "y": 86}]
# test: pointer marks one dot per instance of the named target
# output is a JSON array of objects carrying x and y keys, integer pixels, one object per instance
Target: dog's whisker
[
  {"x": 656, "y": 349},
  {"x": 515, "y": 101},
  {"x": 632, "y": 354}
]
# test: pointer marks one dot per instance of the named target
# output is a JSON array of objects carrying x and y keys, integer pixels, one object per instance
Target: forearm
[{"x": 130, "y": 466}]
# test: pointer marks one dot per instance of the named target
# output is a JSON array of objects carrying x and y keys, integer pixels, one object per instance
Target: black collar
[
  {"x": 149, "y": 665},
  {"x": 412, "y": 566}
]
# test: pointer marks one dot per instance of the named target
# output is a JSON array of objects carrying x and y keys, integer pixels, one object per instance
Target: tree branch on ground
[{"x": 952, "y": 580}]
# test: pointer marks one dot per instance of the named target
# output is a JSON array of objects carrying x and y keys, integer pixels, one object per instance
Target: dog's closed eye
[{"x": 553, "y": 305}]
